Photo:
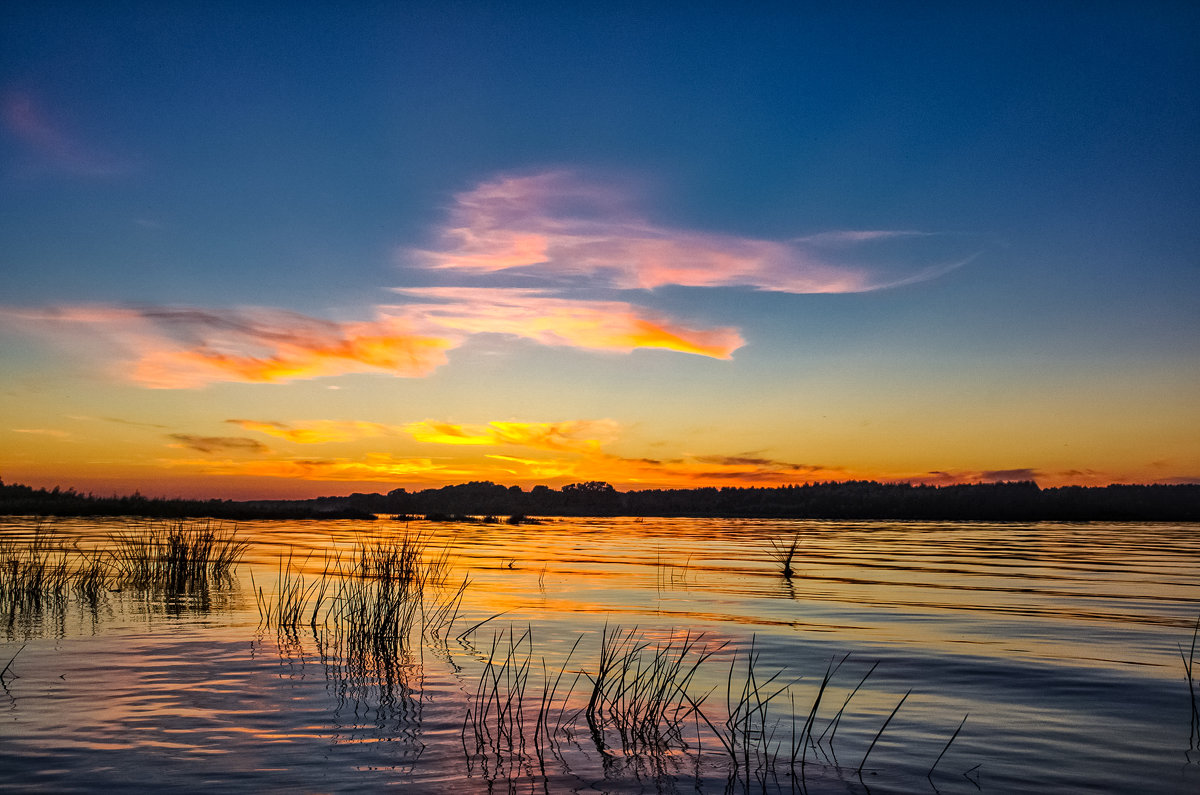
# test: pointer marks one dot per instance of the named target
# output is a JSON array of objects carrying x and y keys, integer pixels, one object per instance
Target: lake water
[{"x": 1059, "y": 642}]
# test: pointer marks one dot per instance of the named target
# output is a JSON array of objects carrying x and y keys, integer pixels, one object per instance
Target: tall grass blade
[{"x": 878, "y": 734}]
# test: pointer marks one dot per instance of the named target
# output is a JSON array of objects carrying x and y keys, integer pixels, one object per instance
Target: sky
[{"x": 323, "y": 248}]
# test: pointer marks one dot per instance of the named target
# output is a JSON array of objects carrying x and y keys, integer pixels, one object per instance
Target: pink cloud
[
  {"x": 557, "y": 226},
  {"x": 29, "y": 121}
]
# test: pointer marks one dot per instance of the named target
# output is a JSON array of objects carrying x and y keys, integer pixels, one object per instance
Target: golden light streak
[{"x": 375, "y": 467}]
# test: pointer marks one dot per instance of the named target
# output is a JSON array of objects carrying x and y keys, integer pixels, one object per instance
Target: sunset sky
[{"x": 306, "y": 251}]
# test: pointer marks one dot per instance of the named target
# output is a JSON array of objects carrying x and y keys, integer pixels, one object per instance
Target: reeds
[
  {"x": 1189, "y": 668},
  {"x": 370, "y": 602},
  {"x": 35, "y": 573},
  {"x": 176, "y": 557},
  {"x": 638, "y": 707},
  {"x": 44, "y": 571},
  {"x": 639, "y": 689},
  {"x": 748, "y": 734},
  {"x": 783, "y": 552}
]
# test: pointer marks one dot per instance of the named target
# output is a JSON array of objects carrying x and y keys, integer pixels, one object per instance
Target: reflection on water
[{"x": 1061, "y": 641}]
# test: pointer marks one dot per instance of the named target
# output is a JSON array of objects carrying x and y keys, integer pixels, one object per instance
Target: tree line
[{"x": 1010, "y": 501}]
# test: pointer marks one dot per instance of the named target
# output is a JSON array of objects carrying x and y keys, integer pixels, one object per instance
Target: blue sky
[{"x": 1030, "y": 177}]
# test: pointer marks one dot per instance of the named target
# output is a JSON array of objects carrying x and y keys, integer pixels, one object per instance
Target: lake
[{"x": 1060, "y": 643}]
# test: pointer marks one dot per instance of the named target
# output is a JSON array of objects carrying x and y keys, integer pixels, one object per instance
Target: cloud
[
  {"x": 575, "y": 448},
  {"x": 52, "y": 432},
  {"x": 187, "y": 347},
  {"x": 940, "y": 477},
  {"x": 215, "y": 444},
  {"x": 182, "y": 347},
  {"x": 762, "y": 464},
  {"x": 29, "y": 121},
  {"x": 319, "y": 431},
  {"x": 536, "y": 315},
  {"x": 1008, "y": 475},
  {"x": 538, "y": 468},
  {"x": 559, "y": 227},
  {"x": 585, "y": 436},
  {"x": 553, "y": 226}
]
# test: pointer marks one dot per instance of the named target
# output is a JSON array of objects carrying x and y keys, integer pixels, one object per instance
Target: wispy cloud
[
  {"x": 28, "y": 120},
  {"x": 565, "y": 229},
  {"x": 319, "y": 431},
  {"x": 585, "y": 436},
  {"x": 943, "y": 477},
  {"x": 1008, "y": 475},
  {"x": 583, "y": 441},
  {"x": 536, "y": 315},
  {"x": 562, "y": 451},
  {"x": 672, "y": 472},
  {"x": 51, "y": 432},
  {"x": 217, "y": 444},
  {"x": 569, "y": 233},
  {"x": 763, "y": 465},
  {"x": 183, "y": 347},
  {"x": 187, "y": 347}
]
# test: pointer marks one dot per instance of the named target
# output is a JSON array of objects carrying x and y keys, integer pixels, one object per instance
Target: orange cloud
[
  {"x": 550, "y": 320},
  {"x": 318, "y": 431},
  {"x": 577, "y": 436},
  {"x": 557, "y": 225},
  {"x": 538, "y": 469},
  {"x": 181, "y": 347}
]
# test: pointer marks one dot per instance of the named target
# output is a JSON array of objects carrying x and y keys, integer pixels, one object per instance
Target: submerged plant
[{"x": 784, "y": 552}]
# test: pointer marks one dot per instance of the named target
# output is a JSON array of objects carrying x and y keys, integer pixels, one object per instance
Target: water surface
[{"x": 1059, "y": 641}]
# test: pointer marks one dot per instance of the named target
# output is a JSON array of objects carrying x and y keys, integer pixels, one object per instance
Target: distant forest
[{"x": 1013, "y": 501}]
